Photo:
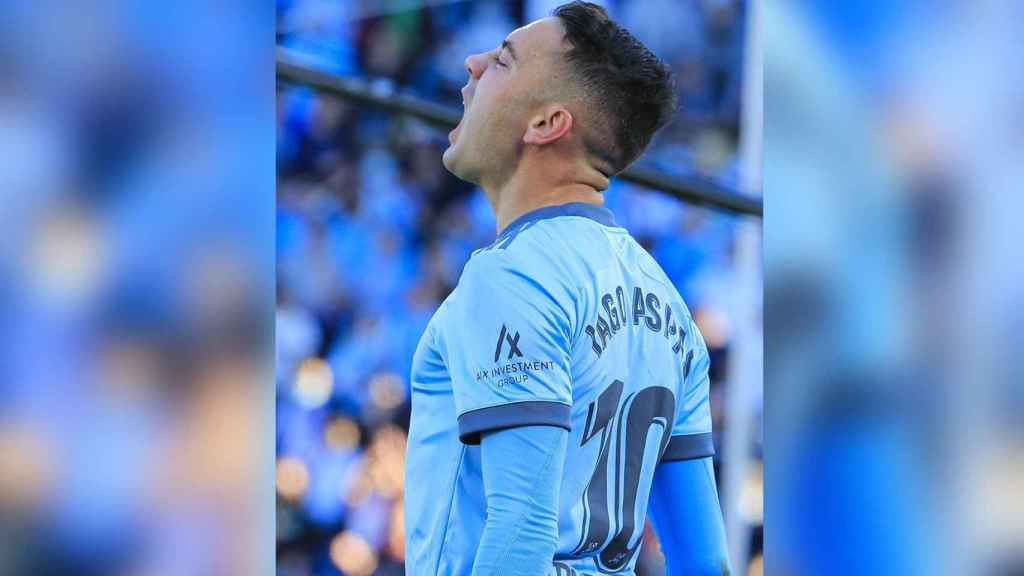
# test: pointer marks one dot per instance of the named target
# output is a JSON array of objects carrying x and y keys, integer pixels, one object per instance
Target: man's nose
[{"x": 475, "y": 65}]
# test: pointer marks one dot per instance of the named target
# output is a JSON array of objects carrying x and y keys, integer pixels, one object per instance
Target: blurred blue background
[
  {"x": 136, "y": 287},
  {"x": 893, "y": 160},
  {"x": 372, "y": 233}
]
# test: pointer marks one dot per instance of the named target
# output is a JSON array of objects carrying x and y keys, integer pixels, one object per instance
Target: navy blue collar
[{"x": 599, "y": 214}]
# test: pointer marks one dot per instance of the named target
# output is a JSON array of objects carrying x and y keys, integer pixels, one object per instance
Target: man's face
[{"x": 505, "y": 86}]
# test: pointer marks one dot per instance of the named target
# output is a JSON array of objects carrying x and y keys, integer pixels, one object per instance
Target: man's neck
[{"x": 520, "y": 195}]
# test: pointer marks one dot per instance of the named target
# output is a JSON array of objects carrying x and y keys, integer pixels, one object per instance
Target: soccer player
[{"x": 561, "y": 390}]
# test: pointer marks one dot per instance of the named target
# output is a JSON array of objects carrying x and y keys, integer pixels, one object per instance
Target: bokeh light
[
  {"x": 313, "y": 383},
  {"x": 341, "y": 434},
  {"x": 28, "y": 468},
  {"x": 387, "y": 461},
  {"x": 69, "y": 257},
  {"x": 387, "y": 390},
  {"x": 352, "y": 554},
  {"x": 292, "y": 478}
]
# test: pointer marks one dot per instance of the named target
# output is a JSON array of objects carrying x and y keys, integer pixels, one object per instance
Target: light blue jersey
[{"x": 563, "y": 321}]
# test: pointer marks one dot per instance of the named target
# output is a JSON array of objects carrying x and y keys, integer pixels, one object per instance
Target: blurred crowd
[{"x": 373, "y": 232}]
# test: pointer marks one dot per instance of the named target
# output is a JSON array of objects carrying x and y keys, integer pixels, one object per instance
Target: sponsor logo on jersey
[
  {"x": 509, "y": 371},
  {"x": 513, "y": 344}
]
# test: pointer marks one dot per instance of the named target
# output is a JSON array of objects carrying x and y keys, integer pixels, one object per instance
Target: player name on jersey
[{"x": 646, "y": 309}]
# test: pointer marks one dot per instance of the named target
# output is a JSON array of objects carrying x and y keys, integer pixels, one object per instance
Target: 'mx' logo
[{"x": 513, "y": 343}]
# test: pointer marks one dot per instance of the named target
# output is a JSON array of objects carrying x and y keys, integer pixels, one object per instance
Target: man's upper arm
[
  {"x": 691, "y": 433},
  {"x": 507, "y": 349},
  {"x": 522, "y": 470}
]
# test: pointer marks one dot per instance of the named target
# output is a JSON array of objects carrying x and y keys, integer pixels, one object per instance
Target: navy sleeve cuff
[
  {"x": 531, "y": 413},
  {"x": 688, "y": 447}
]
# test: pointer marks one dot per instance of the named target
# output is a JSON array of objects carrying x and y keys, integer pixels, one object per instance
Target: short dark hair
[{"x": 631, "y": 89}]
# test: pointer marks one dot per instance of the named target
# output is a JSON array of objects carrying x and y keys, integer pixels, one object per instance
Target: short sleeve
[
  {"x": 691, "y": 433},
  {"x": 507, "y": 348}
]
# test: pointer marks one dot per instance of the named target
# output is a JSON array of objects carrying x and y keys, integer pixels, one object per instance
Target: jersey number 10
[{"x": 623, "y": 427}]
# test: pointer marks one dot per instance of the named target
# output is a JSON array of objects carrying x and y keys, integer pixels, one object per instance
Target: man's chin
[{"x": 450, "y": 160}]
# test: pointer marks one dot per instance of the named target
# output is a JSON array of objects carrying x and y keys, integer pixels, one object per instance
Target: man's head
[{"x": 572, "y": 86}]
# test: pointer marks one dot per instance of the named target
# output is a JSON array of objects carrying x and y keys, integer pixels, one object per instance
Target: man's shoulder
[
  {"x": 536, "y": 267},
  {"x": 547, "y": 248},
  {"x": 489, "y": 271}
]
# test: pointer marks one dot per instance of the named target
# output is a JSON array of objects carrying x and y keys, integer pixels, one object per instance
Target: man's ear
[{"x": 549, "y": 125}]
